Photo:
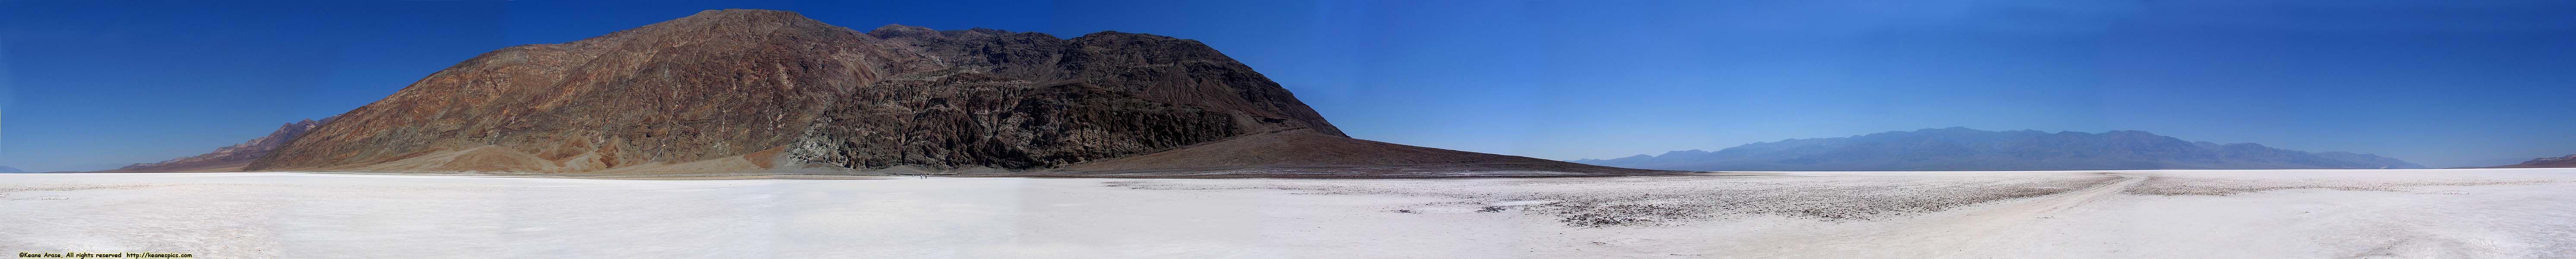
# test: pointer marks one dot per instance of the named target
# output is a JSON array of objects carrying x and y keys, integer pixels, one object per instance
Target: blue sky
[{"x": 88, "y": 85}]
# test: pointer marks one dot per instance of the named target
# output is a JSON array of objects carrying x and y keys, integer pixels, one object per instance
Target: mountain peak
[
  {"x": 1129, "y": 36},
  {"x": 743, "y": 14},
  {"x": 990, "y": 31},
  {"x": 899, "y": 30},
  {"x": 726, "y": 24},
  {"x": 754, "y": 17}
]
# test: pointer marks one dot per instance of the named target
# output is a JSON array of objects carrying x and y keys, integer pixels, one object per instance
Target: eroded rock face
[
  {"x": 962, "y": 118},
  {"x": 735, "y": 90},
  {"x": 228, "y": 158}
]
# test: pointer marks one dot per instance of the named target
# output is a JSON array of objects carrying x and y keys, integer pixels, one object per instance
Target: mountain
[
  {"x": 1964, "y": 149},
  {"x": 2568, "y": 161},
  {"x": 5, "y": 169},
  {"x": 229, "y": 158},
  {"x": 757, "y": 90}
]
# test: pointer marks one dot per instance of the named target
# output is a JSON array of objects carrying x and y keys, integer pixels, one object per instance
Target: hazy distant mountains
[
  {"x": 5, "y": 169},
  {"x": 229, "y": 158},
  {"x": 2545, "y": 162},
  {"x": 1964, "y": 149}
]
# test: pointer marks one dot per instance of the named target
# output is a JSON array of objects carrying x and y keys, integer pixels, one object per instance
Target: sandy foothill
[{"x": 2440, "y": 213}]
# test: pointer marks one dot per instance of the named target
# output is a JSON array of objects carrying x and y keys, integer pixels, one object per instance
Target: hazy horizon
[{"x": 97, "y": 85}]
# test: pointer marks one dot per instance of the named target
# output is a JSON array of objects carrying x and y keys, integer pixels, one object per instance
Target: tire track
[
  {"x": 1949, "y": 235},
  {"x": 2075, "y": 198}
]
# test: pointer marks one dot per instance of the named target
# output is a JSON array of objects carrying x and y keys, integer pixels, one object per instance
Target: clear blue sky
[{"x": 88, "y": 85}]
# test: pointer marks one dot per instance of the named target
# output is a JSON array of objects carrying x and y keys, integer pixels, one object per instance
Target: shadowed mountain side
[{"x": 1307, "y": 153}]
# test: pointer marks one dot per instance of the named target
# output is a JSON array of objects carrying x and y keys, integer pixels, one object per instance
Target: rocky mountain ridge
[{"x": 772, "y": 91}]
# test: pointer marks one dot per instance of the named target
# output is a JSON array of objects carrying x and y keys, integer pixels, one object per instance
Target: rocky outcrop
[
  {"x": 1963, "y": 149},
  {"x": 752, "y": 90},
  {"x": 1030, "y": 100},
  {"x": 229, "y": 158},
  {"x": 2568, "y": 161}
]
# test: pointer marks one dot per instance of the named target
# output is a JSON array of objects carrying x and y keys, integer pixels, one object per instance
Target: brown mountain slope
[
  {"x": 229, "y": 158},
  {"x": 703, "y": 87},
  {"x": 2568, "y": 161},
  {"x": 755, "y": 90}
]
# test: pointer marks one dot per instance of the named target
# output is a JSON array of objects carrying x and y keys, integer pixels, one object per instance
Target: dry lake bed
[{"x": 2440, "y": 213}]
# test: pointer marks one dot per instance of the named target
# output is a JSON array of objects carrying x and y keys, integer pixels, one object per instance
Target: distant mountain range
[
  {"x": 2545, "y": 162},
  {"x": 5, "y": 169},
  {"x": 1964, "y": 149},
  {"x": 228, "y": 158}
]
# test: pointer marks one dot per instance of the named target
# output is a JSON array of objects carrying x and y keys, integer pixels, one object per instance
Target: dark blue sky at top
[{"x": 88, "y": 85}]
